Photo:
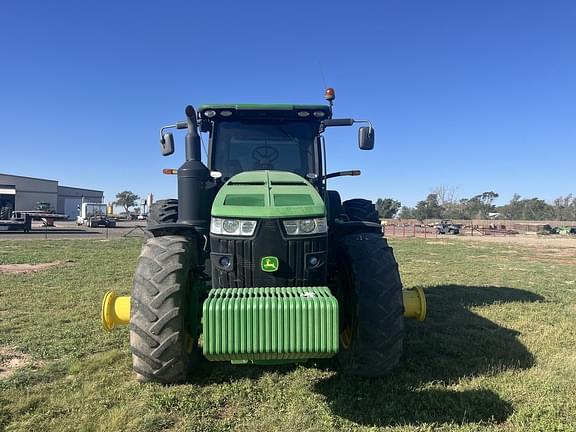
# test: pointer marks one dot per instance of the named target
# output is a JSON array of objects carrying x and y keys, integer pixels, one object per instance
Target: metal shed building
[{"x": 23, "y": 193}]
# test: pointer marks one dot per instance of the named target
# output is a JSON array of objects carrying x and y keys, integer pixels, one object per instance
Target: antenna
[
  {"x": 322, "y": 74},
  {"x": 329, "y": 93}
]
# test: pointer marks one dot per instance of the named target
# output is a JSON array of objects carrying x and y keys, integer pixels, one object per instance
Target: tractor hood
[{"x": 268, "y": 194}]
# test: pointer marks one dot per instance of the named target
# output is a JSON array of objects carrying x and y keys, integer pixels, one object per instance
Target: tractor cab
[{"x": 264, "y": 137}]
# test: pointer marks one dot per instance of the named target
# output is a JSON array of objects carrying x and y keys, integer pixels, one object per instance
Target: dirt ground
[
  {"x": 549, "y": 242},
  {"x": 11, "y": 360},
  {"x": 29, "y": 268}
]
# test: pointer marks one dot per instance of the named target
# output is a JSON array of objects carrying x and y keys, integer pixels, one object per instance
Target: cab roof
[{"x": 264, "y": 110}]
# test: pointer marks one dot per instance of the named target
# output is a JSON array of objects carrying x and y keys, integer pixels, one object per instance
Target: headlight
[
  {"x": 232, "y": 227},
  {"x": 305, "y": 226}
]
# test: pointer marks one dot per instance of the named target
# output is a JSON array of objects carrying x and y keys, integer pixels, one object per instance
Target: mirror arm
[
  {"x": 365, "y": 121},
  {"x": 342, "y": 122},
  {"x": 179, "y": 125},
  {"x": 338, "y": 174}
]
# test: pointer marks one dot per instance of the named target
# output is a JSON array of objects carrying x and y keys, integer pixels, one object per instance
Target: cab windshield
[{"x": 247, "y": 145}]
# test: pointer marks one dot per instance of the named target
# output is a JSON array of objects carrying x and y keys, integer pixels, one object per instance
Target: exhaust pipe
[
  {"x": 414, "y": 303},
  {"x": 115, "y": 311}
]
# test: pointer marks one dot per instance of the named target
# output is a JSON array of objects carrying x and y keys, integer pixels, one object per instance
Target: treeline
[{"x": 441, "y": 204}]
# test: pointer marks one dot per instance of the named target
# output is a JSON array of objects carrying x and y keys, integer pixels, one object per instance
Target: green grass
[{"x": 497, "y": 352}]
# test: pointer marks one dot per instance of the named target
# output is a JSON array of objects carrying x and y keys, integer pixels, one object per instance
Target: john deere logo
[{"x": 269, "y": 264}]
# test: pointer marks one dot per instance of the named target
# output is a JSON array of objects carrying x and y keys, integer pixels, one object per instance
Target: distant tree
[
  {"x": 407, "y": 213},
  {"x": 565, "y": 208},
  {"x": 446, "y": 195},
  {"x": 527, "y": 209},
  {"x": 429, "y": 208},
  {"x": 537, "y": 209},
  {"x": 387, "y": 207},
  {"x": 441, "y": 204},
  {"x": 512, "y": 210},
  {"x": 126, "y": 199},
  {"x": 479, "y": 206},
  {"x": 455, "y": 209},
  {"x": 488, "y": 197}
]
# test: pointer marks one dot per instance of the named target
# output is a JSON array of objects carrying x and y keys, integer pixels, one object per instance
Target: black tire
[
  {"x": 370, "y": 297},
  {"x": 5, "y": 213},
  {"x": 165, "y": 312},
  {"x": 334, "y": 205},
  {"x": 359, "y": 209},
  {"x": 161, "y": 212}
]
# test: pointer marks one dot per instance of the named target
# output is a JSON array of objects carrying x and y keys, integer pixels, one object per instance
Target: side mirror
[
  {"x": 167, "y": 144},
  {"x": 366, "y": 138}
]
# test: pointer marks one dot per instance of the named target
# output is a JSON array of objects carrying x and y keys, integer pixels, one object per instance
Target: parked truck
[{"x": 94, "y": 215}]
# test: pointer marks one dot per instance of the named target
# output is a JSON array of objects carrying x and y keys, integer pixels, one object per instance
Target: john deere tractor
[{"x": 258, "y": 261}]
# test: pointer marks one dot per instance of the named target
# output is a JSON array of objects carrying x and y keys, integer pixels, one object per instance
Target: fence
[{"x": 427, "y": 228}]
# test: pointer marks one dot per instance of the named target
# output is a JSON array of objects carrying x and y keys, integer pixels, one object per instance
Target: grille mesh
[{"x": 247, "y": 253}]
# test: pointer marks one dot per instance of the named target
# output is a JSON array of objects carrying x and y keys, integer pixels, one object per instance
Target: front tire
[
  {"x": 359, "y": 209},
  {"x": 165, "y": 312},
  {"x": 370, "y": 295}
]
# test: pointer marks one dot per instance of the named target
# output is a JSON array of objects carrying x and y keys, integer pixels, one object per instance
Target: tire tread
[
  {"x": 159, "y": 322},
  {"x": 378, "y": 334}
]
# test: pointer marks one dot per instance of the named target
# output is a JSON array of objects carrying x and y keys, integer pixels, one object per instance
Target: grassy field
[{"x": 498, "y": 351}]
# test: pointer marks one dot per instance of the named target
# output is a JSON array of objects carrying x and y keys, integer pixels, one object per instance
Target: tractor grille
[{"x": 246, "y": 255}]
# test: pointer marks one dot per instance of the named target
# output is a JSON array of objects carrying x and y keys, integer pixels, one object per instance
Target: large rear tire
[
  {"x": 370, "y": 296},
  {"x": 161, "y": 212},
  {"x": 165, "y": 312},
  {"x": 359, "y": 209}
]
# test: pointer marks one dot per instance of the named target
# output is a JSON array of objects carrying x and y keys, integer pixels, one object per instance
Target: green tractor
[{"x": 257, "y": 261}]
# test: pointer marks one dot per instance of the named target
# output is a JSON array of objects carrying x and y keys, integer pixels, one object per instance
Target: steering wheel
[{"x": 265, "y": 154}]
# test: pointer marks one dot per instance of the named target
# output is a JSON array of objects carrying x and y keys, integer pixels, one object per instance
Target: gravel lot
[{"x": 69, "y": 230}]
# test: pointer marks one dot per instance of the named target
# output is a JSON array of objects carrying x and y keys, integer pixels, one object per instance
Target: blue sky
[{"x": 472, "y": 95}]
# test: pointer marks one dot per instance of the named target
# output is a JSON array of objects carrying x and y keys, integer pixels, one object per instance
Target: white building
[{"x": 24, "y": 193}]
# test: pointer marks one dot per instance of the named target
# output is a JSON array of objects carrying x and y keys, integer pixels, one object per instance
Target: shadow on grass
[
  {"x": 453, "y": 343},
  {"x": 208, "y": 373}
]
